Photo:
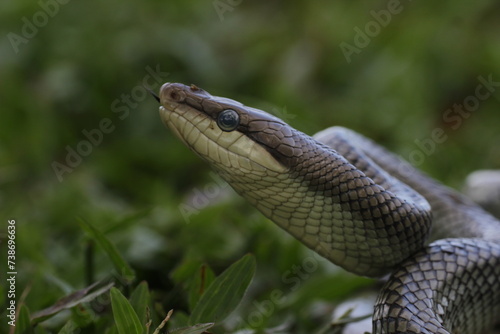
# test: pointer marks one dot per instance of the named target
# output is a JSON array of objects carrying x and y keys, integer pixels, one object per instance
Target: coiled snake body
[{"x": 357, "y": 205}]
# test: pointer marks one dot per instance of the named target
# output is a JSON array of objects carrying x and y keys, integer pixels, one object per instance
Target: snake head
[{"x": 233, "y": 138}]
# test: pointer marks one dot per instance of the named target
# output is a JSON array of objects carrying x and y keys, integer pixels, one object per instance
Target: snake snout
[
  {"x": 175, "y": 93},
  {"x": 172, "y": 92}
]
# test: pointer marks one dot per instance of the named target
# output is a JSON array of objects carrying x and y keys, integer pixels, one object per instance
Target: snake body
[{"x": 357, "y": 205}]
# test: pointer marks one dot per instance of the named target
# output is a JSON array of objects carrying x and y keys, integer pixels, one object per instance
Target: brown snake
[{"x": 357, "y": 205}]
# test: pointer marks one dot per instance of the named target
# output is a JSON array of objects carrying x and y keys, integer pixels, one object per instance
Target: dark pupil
[{"x": 228, "y": 120}]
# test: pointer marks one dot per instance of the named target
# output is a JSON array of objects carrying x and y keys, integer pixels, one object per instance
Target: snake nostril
[
  {"x": 173, "y": 93},
  {"x": 175, "y": 96}
]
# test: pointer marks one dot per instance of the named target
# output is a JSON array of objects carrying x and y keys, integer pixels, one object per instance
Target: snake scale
[{"x": 357, "y": 205}]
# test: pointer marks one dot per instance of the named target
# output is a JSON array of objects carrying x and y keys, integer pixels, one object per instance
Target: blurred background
[{"x": 81, "y": 140}]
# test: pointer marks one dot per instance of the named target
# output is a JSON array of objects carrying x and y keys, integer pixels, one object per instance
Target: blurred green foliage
[{"x": 65, "y": 66}]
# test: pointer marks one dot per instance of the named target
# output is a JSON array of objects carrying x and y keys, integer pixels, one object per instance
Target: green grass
[{"x": 120, "y": 214}]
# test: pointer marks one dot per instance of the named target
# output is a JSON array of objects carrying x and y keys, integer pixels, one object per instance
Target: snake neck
[{"x": 331, "y": 206}]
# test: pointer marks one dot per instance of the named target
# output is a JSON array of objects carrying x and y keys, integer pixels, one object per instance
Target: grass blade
[
  {"x": 23, "y": 323},
  {"x": 126, "y": 320},
  {"x": 225, "y": 292},
  {"x": 78, "y": 297},
  {"x": 202, "y": 279},
  {"x": 140, "y": 300},
  {"x": 120, "y": 264}
]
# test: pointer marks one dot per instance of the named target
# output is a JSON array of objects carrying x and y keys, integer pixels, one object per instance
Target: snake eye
[{"x": 228, "y": 120}]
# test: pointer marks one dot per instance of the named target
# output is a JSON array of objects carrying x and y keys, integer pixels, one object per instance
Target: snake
[{"x": 356, "y": 204}]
